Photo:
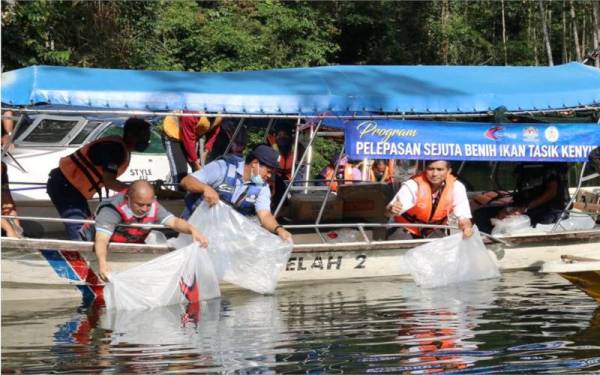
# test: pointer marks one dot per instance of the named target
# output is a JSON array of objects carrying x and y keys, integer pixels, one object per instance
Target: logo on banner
[
  {"x": 494, "y": 133},
  {"x": 551, "y": 134},
  {"x": 531, "y": 134}
]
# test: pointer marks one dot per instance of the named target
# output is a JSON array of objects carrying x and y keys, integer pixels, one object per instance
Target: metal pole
[
  {"x": 235, "y": 133},
  {"x": 333, "y": 177},
  {"x": 287, "y": 190},
  {"x": 295, "y": 116},
  {"x": 579, "y": 182},
  {"x": 309, "y": 158},
  {"x": 269, "y": 125},
  {"x": 295, "y": 151}
]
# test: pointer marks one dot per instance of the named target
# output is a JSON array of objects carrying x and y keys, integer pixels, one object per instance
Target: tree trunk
[
  {"x": 564, "y": 33},
  {"x": 445, "y": 39},
  {"x": 575, "y": 35},
  {"x": 531, "y": 33},
  {"x": 545, "y": 31},
  {"x": 504, "y": 34},
  {"x": 596, "y": 28}
]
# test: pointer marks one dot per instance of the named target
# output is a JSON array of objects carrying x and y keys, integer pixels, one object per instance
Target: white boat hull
[{"x": 46, "y": 269}]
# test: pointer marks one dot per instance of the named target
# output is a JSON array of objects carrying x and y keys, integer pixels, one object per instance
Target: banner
[{"x": 408, "y": 139}]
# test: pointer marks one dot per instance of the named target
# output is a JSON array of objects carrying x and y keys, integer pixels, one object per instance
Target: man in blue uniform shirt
[{"x": 241, "y": 183}]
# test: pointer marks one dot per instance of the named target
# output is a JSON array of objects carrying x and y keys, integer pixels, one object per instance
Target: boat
[
  {"x": 409, "y": 102},
  {"x": 583, "y": 272},
  {"x": 43, "y": 139}
]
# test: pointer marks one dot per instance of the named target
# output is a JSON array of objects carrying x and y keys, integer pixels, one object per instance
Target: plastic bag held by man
[
  {"x": 182, "y": 276},
  {"x": 450, "y": 260},
  {"x": 243, "y": 252}
]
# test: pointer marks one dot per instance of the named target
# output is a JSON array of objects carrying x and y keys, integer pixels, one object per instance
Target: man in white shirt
[{"x": 429, "y": 198}]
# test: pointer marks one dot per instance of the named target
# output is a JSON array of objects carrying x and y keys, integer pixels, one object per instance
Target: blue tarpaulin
[
  {"x": 387, "y": 89},
  {"x": 435, "y": 140}
]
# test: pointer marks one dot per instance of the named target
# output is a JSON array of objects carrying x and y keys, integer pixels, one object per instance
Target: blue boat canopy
[{"x": 386, "y": 89}]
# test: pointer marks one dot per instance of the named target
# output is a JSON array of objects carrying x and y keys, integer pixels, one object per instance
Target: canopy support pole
[
  {"x": 235, "y": 133},
  {"x": 324, "y": 204},
  {"x": 287, "y": 190},
  {"x": 567, "y": 207}
]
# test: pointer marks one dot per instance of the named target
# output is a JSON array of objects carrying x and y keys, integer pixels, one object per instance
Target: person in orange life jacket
[
  {"x": 239, "y": 182},
  {"x": 429, "y": 198},
  {"x": 96, "y": 165},
  {"x": 137, "y": 205},
  {"x": 346, "y": 173},
  {"x": 381, "y": 171},
  {"x": 282, "y": 142},
  {"x": 180, "y": 138}
]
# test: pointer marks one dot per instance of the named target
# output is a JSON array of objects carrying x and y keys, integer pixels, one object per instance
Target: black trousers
[{"x": 177, "y": 160}]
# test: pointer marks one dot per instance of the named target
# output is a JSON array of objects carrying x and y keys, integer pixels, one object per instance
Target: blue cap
[{"x": 266, "y": 155}]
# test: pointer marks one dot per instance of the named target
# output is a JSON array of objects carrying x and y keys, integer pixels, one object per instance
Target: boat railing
[{"x": 361, "y": 227}]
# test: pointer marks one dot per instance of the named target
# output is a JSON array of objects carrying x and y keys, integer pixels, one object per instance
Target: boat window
[
  {"x": 155, "y": 147},
  {"x": 85, "y": 132},
  {"x": 50, "y": 131}
]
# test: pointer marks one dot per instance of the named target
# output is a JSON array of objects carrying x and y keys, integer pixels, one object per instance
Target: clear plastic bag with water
[
  {"x": 242, "y": 251},
  {"x": 450, "y": 260},
  {"x": 511, "y": 225}
]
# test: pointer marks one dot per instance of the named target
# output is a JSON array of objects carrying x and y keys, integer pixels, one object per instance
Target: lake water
[{"x": 524, "y": 322}]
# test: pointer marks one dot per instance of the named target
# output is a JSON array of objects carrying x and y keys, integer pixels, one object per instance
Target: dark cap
[{"x": 266, "y": 155}]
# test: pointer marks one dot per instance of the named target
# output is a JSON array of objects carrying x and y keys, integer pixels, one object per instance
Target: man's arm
[
  {"x": 268, "y": 221},
  {"x": 193, "y": 185},
  {"x": 109, "y": 179},
  {"x": 101, "y": 249},
  {"x": 182, "y": 226},
  {"x": 462, "y": 209},
  {"x": 404, "y": 199}
]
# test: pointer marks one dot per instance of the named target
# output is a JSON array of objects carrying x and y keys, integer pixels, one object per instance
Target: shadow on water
[{"x": 521, "y": 323}]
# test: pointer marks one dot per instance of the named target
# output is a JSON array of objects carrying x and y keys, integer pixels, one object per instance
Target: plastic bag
[
  {"x": 574, "y": 222},
  {"x": 450, "y": 260},
  {"x": 511, "y": 225},
  {"x": 156, "y": 237},
  {"x": 242, "y": 251},
  {"x": 184, "y": 275}
]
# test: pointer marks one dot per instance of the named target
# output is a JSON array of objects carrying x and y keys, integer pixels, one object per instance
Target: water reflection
[{"x": 521, "y": 323}]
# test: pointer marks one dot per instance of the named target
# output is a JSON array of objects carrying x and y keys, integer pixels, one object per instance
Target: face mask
[
  {"x": 141, "y": 146},
  {"x": 256, "y": 179}
]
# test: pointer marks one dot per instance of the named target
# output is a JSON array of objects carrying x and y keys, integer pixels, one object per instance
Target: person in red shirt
[{"x": 180, "y": 139}]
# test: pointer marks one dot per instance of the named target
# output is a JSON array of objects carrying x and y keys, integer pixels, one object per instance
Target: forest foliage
[{"x": 233, "y": 35}]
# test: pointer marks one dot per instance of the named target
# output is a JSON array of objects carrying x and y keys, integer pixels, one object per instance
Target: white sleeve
[
  {"x": 407, "y": 195},
  {"x": 461, "y": 207}
]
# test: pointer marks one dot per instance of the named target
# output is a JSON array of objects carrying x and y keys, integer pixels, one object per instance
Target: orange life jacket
[
  {"x": 84, "y": 175},
  {"x": 388, "y": 174},
  {"x": 423, "y": 211},
  {"x": 133, "y": 234},
  {"x": 348, "y": 177}
]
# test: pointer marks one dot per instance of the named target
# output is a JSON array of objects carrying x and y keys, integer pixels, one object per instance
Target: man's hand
[
  {"x": 395, "y": 208},
  {"x": 466, "y": 226},
  {"x": 196, "y": 165},
  {"x": 510, "y": 211},
  {"x": 200, "y": 238},
  {"x": 284, "y": 234},
  {"x": 210, "y": 196},
  {"x": 103, "y": 271}
]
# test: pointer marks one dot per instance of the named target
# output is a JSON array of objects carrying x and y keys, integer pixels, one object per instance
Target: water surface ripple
[{"x": 521, "y": 323}]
